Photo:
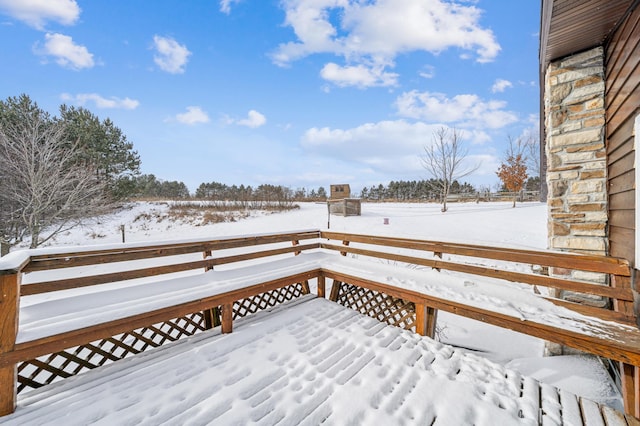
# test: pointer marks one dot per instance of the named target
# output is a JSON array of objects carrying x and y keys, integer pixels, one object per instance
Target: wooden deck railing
[
  {"x": 32, "y": 273},
  {"x": 465, "y": 259},
  {"x": 28, "y": 273}
]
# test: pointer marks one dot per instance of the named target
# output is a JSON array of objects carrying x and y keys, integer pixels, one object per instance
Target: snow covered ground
[{"x": 484, "y": 223}]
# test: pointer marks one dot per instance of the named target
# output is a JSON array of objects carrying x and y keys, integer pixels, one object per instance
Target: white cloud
[
  {"x": 501, "y": 85},
  {"x": 225, "y": 5},
  {"x": 36, "y": 13},
  {"x": 392, "y": 146},
  {"x": 101, "y": 102},
  {"x": 358, "y": 75},
  {"x": 194, "y": 115},
  {"x": 375, "y": 32},
  {"x": 67, "y": 54},
  {"x": 170, "y": 56},
  {"x": 463, "y": 110},
  {"x": 254, "y": 119}
]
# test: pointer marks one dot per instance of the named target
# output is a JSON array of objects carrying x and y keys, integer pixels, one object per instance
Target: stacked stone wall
[{"x": 576, "y": 159}]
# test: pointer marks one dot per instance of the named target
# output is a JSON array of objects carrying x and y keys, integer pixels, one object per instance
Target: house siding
[{"x": 622, "y": 100}]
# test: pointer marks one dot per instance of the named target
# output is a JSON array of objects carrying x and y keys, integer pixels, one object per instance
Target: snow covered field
[{"x": 484, "y": 223}]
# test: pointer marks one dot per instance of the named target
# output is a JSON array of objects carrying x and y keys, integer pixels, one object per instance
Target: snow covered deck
[
  {"x": 307, "y": 362},
  {"x": 47, "y": 318},
  {"x": 62, "y": 308}
]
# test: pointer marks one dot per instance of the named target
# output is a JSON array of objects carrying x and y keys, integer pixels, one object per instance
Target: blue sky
[{"x": 301, "y": 93}]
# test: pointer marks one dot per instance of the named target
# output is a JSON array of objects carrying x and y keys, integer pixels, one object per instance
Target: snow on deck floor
[{"x": 306, "y": 362}]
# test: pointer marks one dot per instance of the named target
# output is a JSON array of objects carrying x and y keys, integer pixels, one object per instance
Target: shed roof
[{"x": 571, "y": 26}]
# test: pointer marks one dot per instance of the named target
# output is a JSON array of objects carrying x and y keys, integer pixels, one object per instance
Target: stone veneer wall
[{"x": 576, "y": 159}]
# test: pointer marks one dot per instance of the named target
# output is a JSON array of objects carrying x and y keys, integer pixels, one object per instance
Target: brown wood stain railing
[
  {"x": 618, "y": 269},
  {"x": 463, "y": 258}
]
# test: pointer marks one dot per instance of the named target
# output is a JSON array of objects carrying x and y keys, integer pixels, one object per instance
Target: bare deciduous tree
[
  {"x": 44, "y": 190},
  {"x": 444, "y": 160},
  {"x": 532, "y": 154}
]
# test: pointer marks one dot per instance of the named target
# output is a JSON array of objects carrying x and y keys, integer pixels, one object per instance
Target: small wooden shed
[
  {"x": 339, "y": 202},
  {"x": 345, "y": 207}
]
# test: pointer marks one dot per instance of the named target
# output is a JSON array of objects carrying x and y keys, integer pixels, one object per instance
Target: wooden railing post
[
  {"x": 619, "y": 281},
  {"x": 304, "y": 284},
  {"x": 227, "y": 318},
  {"x": 209, "y": 314},
  {"x": 630, "y": 385},
  {"x": 345, "y": 243},
  {"x": 629, "y": 374},
  {"x": 206, "y": 254},
  {"x": 321, "y": 286},
  {"x": 335, "y": 290},
  {"x": 636, "y": 392},
  {"x": 438, "y": 255},
  {"x": 296, "y": 243},
  {"x": 9, "y": 309},
  {"x": 426, "y": 318}
]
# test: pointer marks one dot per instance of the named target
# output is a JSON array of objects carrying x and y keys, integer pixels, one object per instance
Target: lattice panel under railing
[
  {"x": 268, "y": 299},
  {"x": 50, "y": 368},
  {"x": 384, "y": 308}
]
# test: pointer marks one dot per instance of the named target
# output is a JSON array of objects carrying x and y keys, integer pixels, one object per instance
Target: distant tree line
[
  {"x": 148, "y": 186},
  {"x": 430, "y": 190},
  {"x": 415, "y": 190},
  {"x": 262, "y": 196}
]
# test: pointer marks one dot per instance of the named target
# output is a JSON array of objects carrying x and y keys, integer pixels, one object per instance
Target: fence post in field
[{"x": 9, "y": 303}]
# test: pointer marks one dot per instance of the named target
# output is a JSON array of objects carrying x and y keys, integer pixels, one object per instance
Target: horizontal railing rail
[
  {"x": 593, "y": 263},
  {"x": 84, "y": 258},
  {"x": 69, "y": 283},
  {"x": 133, "y": 255},
  {"x": 416, "y": 254}
]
